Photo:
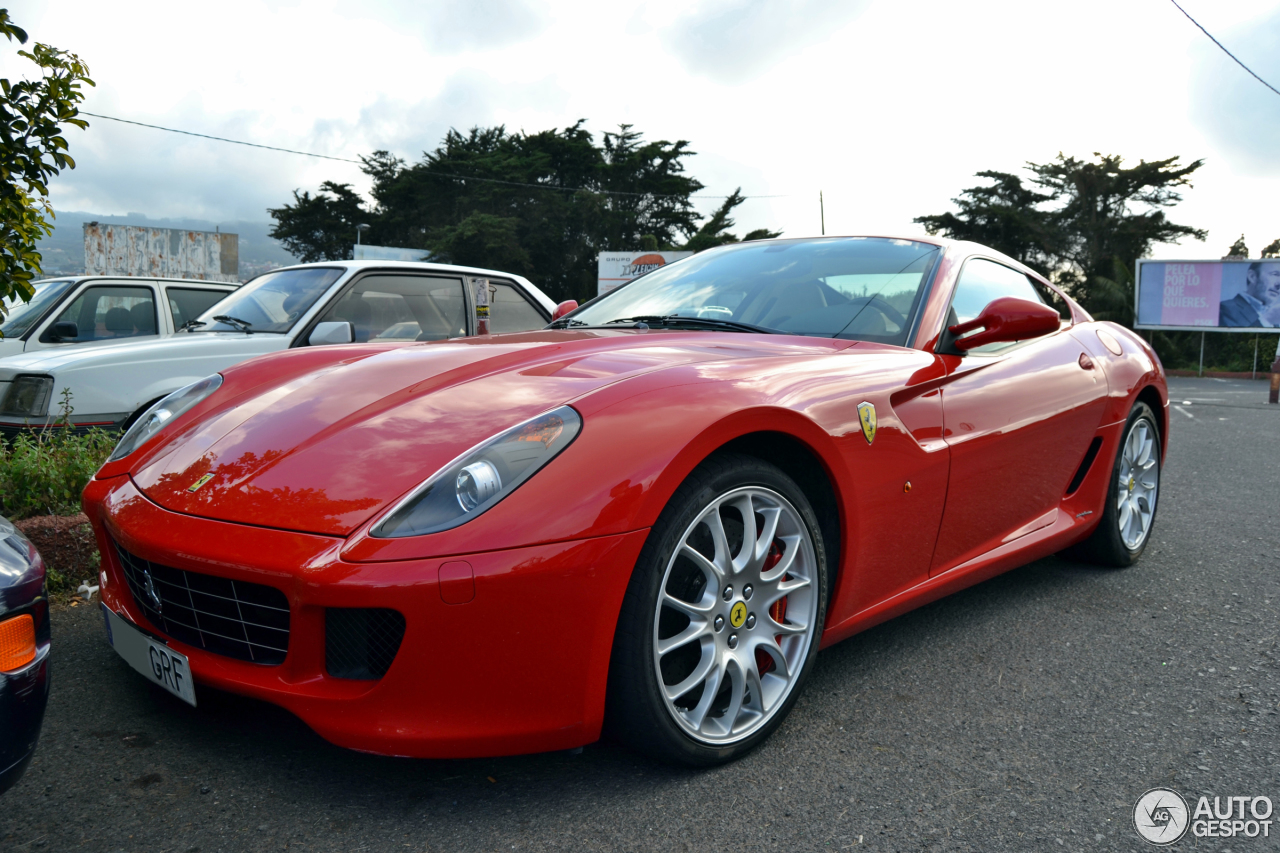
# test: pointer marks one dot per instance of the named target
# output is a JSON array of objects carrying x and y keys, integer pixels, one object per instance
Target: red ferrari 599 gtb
[{"x": 649, "y": 516}]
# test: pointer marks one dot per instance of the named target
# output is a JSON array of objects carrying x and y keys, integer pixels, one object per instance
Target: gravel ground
[{"x": 1028, "y": 713}]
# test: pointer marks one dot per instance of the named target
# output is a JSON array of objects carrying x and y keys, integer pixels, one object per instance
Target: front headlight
[
  {"x": 163, "y": 412},
  {"x": 482, "y": 476},
  {"x": 28, "y": 396}
]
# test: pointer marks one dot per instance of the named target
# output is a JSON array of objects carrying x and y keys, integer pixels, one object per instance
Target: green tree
[
  {"x": 1272, "y": 250},
  {"x": 33, "y": 151},
  {"x": 1238, "y": 249},
  {"x": 715, "y": 231},
  {"x": 542, "y": 205},
  {"x": 1081, "y": 220},
  {"x": 320, "y": 227}
]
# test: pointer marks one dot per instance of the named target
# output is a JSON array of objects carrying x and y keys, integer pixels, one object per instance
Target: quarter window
[
  {"x": 107, "y": 312},
  {"x": 510, "y": 311},
  {"x": 189, "y": 303}
]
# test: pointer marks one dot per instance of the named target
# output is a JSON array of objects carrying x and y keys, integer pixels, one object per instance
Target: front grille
[
  {"x": 361, "y": 643},
  {"x": 245, "y": 621}
]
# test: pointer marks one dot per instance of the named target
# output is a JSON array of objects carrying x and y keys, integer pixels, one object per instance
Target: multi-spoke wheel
[
  {"x": 1127, "y": 516},
  {"x": 722, "y": 618}
]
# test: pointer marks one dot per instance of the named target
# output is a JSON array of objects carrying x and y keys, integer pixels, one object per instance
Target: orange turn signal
[{"x": 17, "y": 642}]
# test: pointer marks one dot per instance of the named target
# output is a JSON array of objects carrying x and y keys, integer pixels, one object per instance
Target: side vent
[
  {"x": 360, "y": 643},
  {"x": 1089, "y": 456}
]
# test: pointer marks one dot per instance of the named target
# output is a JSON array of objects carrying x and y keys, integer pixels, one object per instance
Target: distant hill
[{"x": 64, "y": 251}]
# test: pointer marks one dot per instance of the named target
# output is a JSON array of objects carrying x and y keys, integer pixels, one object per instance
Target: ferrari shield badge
[
  {"x": 207, "y": 477},
  {"x": 867, "y": 415}
]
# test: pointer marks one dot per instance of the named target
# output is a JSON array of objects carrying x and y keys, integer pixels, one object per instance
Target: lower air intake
[{"x": 360, "y": 643}]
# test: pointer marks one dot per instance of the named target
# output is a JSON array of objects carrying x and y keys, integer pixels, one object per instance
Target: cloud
[
  {"x": 731, "y": 41},
  {"x": 455, "y": 26},
  {"x": 1234, "y": 110}
]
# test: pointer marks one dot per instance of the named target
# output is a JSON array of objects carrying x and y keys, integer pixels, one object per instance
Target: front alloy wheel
[{"x": 731, "y": 589}]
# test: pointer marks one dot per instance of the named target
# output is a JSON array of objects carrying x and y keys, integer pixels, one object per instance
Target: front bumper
[
  {"x": 24, "y": 694},
  {"x": 520, "y": 667}
]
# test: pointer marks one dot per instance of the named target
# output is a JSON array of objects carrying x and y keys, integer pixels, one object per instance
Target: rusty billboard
[{"x": 134, "y": 250}]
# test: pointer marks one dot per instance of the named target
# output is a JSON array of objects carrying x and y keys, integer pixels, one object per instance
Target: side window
[
  {"x": 402, "y": 308},
  {"x": 510, "y": 311},
  {"x": 107, "y": 312},
  {"x": 188, "y": 303},
  {"x": 982, "y": 281},
  {"x": 1050, "y": 297}
]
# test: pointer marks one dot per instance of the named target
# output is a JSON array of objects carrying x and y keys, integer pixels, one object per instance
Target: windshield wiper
[
  {"x": 240, "y": 325},
  {"x": 191, "y": 324},
  {"x": 565, "y": 322},
  {"x": 678, "y": 320}
]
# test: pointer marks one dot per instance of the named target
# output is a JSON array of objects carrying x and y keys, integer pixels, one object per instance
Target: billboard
[
  {"x": 365, "y": 252},
  {"x": 1227, "y": 296},
  {"x": 133, "y": 250},
  {"x": 618, "y": 268}
]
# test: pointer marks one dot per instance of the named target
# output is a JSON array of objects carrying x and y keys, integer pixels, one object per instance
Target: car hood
[
  {"x": 64, "y": 358},
  {"x": 323, "y": 450}
]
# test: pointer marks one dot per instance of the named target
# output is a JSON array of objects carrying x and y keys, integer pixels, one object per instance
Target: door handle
[{"x": 1085, "y": 361}]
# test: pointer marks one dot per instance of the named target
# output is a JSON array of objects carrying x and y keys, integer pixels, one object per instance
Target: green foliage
[
  {"x": 32, "y": 151},
  {"x": 1272, "y": 250},
  {"x": 715, "y": 231},
  {"x": 320, "y": 227},
  {"x": 542, "y": 205},
  {"x": 1081, "y": 220},
  {"x": 1238, "y": 249},
  {"x": 43, "y": 472}
]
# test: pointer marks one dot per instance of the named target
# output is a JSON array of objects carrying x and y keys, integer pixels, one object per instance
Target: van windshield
[
  {"x": 270, "y": 303},
  {"x": 20, "y": 316}
]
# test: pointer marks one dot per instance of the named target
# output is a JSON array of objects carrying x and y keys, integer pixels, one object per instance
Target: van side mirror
[
  {"x": 64, "y": 330},
  {"x": 1005, "y": 320},
  {"x": 333, "y": 332},
  {"x": 564, "y": 308}
]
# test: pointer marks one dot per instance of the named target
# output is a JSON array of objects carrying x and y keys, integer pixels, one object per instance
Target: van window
[{"x": 107, "y": 312}]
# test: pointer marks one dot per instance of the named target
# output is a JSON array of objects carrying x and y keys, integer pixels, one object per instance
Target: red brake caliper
[{"x": 777, "y": 610}]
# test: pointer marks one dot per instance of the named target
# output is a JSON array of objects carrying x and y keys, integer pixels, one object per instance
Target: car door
[
  {"x": 106, "y": 311},
  {"x": 392, "y": 306},
  {"x": 1018, "y": 418}
]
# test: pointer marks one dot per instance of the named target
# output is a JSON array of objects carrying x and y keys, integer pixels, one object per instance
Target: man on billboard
[{"x": 1259, "y": 303}]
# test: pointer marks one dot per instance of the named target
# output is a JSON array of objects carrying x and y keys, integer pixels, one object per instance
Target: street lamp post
[{"x": 360, "y": 229}]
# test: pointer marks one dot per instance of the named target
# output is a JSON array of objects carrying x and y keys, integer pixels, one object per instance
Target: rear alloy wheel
[
  {"x": 1130, "y": 510},
  {"x": 732, "y": 601}
]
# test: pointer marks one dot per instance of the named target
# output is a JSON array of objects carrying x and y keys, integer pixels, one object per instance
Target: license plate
[{"x": 160, "y": 664}]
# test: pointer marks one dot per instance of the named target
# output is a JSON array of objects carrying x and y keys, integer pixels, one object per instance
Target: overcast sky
[{"x": 886, "y": 107}]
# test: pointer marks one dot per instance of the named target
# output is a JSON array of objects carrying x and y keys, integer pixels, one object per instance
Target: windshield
[
  {"x": 270, "y": 303},
  {"x": 21, "y": 316},
  {"x": 862, "y": 288}
]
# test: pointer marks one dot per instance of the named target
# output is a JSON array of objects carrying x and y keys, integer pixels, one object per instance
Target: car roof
[{"x": 81, "y": 278}]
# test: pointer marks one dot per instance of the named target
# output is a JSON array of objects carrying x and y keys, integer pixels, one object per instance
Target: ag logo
[
  {"x": 1161, "y": 816},
  {"x": 738, "y": 615},
  {"x": 198, "y": 483},
  {"x": 867, "y": 415}
]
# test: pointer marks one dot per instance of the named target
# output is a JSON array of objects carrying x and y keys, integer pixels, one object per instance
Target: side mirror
[
  {"x": 1005, "y": 320},
  {"x": 65, "y": 330},
  {"x": 564, "y": 308},
  {"x": 333, "y": 332}
]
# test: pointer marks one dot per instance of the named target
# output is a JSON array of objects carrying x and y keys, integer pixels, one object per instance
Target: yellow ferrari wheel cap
[{"x": 738, "y": 615}]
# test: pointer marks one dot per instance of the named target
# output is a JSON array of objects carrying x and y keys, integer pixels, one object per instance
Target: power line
[
  {"x": 431, "y": 173},
  {"x": 1224, "y": 49}
]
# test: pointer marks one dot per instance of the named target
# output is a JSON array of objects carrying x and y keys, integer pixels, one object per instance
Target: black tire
[
  {"x": 1105, "y": 546},
  {"x": 637, "y": 710}
]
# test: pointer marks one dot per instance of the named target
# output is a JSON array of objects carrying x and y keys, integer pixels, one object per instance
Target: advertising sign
[
  {"x": 1227, "y": 296},
  {"x": 132, "y": 250},
  {"x": 620, "y": 267}
]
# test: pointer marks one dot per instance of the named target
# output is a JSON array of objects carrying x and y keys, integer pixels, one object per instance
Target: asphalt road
[{"x": 1028, "y": 713}]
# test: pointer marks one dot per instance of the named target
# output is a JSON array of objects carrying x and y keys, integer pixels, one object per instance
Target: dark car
[{"x": 24, "y": 652}]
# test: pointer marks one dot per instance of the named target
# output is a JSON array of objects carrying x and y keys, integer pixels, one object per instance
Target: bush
[{"x": 43, "y": 472}]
